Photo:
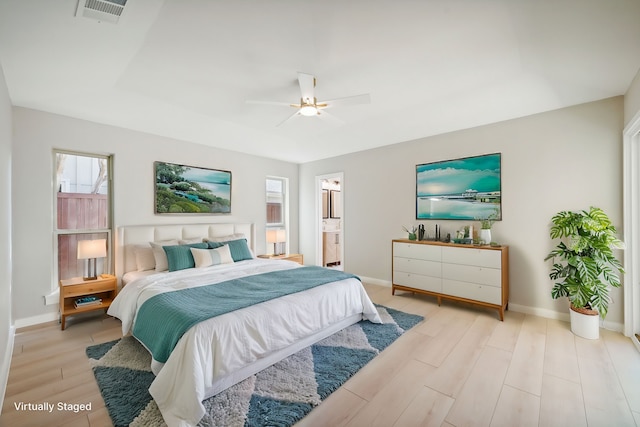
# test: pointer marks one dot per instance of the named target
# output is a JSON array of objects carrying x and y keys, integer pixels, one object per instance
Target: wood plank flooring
[{"x": 460, "y": 367}]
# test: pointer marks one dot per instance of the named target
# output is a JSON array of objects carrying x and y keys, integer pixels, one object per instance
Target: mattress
[{"x": 220, "y": 352}]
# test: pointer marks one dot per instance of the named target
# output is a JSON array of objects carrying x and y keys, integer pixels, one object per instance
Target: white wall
[
  {"x": 6, "y": 325},
  {"x": 565, "y": 159},
  {"x": 37, "y": 133}
]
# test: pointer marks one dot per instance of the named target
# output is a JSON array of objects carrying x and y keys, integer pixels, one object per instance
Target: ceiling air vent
[{"x": 101, "y": 10}]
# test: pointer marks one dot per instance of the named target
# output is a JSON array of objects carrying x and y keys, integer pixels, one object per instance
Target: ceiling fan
[{"x": 309, "y": 106}]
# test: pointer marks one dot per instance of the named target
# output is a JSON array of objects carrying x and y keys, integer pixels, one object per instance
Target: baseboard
[
  {"x": 612, "y": 326},
  {"x": 540, "y": 312},
  {"x": 36, "y": 320},
  {"x": 550, "y": 314},
  {"x": 6, "y": 364}
]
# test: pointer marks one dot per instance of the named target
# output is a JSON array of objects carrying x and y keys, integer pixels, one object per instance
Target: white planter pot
[
  {"x": 485, "y": 236},
  {"x": 585, "y": 325}
]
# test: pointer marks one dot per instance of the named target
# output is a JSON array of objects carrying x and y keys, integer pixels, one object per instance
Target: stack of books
[{"x": 85, "y": 301}]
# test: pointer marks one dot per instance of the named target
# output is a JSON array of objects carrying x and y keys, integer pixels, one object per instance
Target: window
[
  {"x": 277, "y": 215},
  {"x": 82, "y": 210}
]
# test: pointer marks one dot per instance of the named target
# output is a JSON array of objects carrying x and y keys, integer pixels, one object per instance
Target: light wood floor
[{"x": 460, "y": 367}]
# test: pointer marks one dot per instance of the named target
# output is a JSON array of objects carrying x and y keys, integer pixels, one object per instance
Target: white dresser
[{"x": 473, "y": 274}]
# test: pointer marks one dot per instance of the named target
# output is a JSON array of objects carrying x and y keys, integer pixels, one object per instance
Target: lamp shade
[
  {"x": 92, "y": 248},
  {"x": 275, "y": 236}
]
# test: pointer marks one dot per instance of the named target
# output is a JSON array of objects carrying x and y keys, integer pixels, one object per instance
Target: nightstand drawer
[{"x": 87, "y": 288}]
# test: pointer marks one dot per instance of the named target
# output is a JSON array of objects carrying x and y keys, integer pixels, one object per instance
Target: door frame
[
  {"x": 631, "y": 168},
  {"x": 318, "y": 214}
]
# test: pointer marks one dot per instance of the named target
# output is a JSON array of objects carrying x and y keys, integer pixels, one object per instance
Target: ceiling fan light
[{"x": 308, "y": 110}]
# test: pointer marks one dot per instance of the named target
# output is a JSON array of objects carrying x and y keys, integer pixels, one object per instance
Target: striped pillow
[{"x": 208, "y": 257}]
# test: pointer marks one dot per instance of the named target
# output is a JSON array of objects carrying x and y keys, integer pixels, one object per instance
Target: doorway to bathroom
[{"x": 330, "y": 236}]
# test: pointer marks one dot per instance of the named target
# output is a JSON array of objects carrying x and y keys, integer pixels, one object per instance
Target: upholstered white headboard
[{"x": 131, "y": 235}]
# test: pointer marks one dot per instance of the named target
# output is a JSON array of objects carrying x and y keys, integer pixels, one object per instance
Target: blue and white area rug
[{"x": 280, "y": 395}]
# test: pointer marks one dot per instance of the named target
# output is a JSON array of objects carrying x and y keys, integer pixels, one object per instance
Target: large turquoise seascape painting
[
  {"x": 191, "y": 190},
  {"x": 468, "y": 188}
]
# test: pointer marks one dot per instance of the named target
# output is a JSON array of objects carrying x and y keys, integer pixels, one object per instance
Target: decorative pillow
[
  {"x": 227, "y": 238},
  {"x": 144, "y": 257},
  {"x": 179, "y": 256},
  {"x": 189, "y": 241},
  {"x": 239, "y": 249},
  {"x": 207, "y": 257},
  {"x": 159, "y": 254},
  {"x": 213, "y": 245}
]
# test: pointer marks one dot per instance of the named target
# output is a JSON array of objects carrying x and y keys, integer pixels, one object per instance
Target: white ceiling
[{"x": 185, "y": 68}]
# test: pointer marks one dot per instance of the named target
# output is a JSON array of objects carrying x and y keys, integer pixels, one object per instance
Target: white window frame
[
  {"x": 285, "y": 212},
  {"x": 108, "y": 263}
]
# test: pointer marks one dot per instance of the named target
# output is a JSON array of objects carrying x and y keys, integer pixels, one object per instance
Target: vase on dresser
[{"x": 485, "y": 235}]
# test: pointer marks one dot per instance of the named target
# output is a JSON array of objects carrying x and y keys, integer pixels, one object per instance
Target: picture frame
[
  {"x": 468, "y": 188},
  {"x": 181, "y": 189}
]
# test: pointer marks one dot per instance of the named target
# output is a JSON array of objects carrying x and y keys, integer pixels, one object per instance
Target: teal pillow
[
  {"x": 239, "y": 249},
  {"x": 214, "y": 245},
  {"x": 179, "y": 257}
]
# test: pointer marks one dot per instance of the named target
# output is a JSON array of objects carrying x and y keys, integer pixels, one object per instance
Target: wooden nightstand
[
  {"x": 290, "y": 257},
  {"x": 104, "y": 287}
]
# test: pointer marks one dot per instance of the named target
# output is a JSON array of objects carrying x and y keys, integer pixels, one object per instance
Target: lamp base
[
  {"x": 275, "y": 250},
  {"x": 91, "y": 270}
]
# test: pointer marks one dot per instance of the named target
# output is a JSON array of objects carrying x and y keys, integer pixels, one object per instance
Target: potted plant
[
  {"x": 485, "y": 227},
  {"x": 584, "y": 266},
  {"x": 412, "y": 232}
]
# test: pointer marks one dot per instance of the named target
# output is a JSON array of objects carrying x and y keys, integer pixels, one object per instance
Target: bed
[{"x": 265, "y": 310}]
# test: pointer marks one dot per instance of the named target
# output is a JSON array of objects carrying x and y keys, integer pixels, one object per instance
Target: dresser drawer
[
  {"x": 478, "y": 257},
  {"x": 418, "y": 266},
  {"x": 472, "y": 274},
  {"x": 417, "y": 251},
  {"x": 472, "y": 291},
  {"x": 418, "y": 281}
]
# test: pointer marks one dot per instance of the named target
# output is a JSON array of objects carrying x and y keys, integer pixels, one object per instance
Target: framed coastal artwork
[
  {"x": 468, "y": 188},
  {"x": 184, "y": 189}
]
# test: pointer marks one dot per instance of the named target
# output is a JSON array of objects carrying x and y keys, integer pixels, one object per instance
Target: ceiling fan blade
[
  {"x": 329, "y": 118},
  {"x": 284, "y": 104},
  {"x": 307, "y": 84},
  {"x": 349, "y": 100},
  {"x": 297, "y": 113}
]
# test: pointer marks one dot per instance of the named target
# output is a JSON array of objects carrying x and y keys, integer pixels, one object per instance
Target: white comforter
[{"x": 213, "y": 356}]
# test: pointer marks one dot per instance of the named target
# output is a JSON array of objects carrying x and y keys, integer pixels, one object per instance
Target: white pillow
[
  {"x": 144, "y": 257},
  {"x": 224, "y": 238},
  {"x": 159, "y": 254},
  {"x": 189, "y": 241},
  {"x": 208, "y": 257}
]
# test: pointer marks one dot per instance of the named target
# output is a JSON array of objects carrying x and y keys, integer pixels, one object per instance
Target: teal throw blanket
[{"x": 164, "y": 318}]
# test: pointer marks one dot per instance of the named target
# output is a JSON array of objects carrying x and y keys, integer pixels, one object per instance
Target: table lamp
[
  {"x": 275, "y": 237},
  {"x": 90, "y": 250}
]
